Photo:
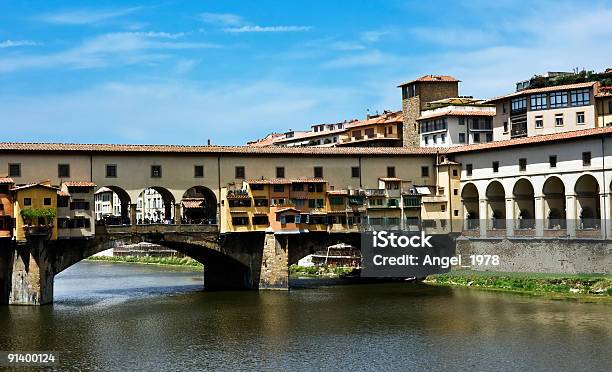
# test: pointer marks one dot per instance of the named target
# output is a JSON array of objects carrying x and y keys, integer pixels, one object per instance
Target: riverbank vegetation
[
  {"x": 319, "y": 271},
  {"x": 560, "y": 285},
  {"x": 170, "y": 261}
]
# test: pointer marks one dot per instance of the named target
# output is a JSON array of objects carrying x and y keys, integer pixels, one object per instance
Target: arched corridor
[
  {"x": 587, "y": 203},
  {"x": 112, "y": 205},
  {"x": 496, "y": 206},
  {"x": 524, "y": 205},
  {"x": 469, "y": 195},
  {"x": 155, "y": 205},
  {"x": 554, "y": 204},
  {"x": 199, "y": 206}
]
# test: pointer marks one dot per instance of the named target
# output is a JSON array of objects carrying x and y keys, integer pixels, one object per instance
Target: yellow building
[
  {"x": 35, "y": 210},
  {"x": 442, "y": 202},
  {"x": 603, "y": 105}
]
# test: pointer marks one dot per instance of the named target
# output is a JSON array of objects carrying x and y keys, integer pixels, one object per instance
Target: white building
[
  {"x": 553, "y": 185},
  {"x": 150, "y": 207},
  {"x": 456, "y": 122},
  {"x": 107, "y": 203}
]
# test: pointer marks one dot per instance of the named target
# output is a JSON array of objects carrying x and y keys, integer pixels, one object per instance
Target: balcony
[
  {"x": 237, "y": 194},
  {"x": 518, "y": 131},
  {"x": 376, "y": 192},
  {"x": 38, "y": 230}
]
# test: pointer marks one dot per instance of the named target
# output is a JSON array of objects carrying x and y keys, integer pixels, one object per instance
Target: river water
[{"x": 136, "y": 317}]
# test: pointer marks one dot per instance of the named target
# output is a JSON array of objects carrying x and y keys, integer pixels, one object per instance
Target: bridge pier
[
  {"x": 275, "y": 263},
  {"x": 27, "y": 274}
]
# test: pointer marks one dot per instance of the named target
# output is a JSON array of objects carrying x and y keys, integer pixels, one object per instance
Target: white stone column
[
  {"x": 604, "y": 203},
  {"x": 510, "y": 217},
  {"x": 483, "y": 215},
  {"x": 539, "y": 216},
  {"x": 570, "y": 212}
]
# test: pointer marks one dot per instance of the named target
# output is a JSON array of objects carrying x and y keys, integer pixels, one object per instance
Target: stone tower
[{"x": 415, "y": 96}]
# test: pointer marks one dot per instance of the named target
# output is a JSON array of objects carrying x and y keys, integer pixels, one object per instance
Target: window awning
[{"x": 422, "y": 190}]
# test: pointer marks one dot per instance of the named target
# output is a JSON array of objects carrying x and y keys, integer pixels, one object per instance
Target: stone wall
[
  {"x": 541, "y": 255},
  {"x": 412, "y": 106}
]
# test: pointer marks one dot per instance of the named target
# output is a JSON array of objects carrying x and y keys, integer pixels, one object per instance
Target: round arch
[
  {"x": 199, "y": 206},
  {"x": 524, "y": 204},
  {"x": 554, "y": 203},
  {"x": 469, "y": 197},
  {"x": 155, "y": 205},
  {"x": 112, "y": 205},
  {"x": 587, "y": 202},
  {"x": 496, "y": 208}
]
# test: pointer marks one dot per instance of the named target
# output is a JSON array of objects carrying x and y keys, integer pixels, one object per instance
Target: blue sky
[{"x": 183, "y": 72}]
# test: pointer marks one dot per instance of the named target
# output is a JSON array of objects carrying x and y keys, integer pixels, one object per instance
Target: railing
[
  {"x": 376, "y": 192},
  {"x": 38, "y": 230},
  {"x": 240, "y": 193}
]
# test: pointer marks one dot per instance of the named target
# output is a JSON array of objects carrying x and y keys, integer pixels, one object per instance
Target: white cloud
[
  {"x": 104, "y": 50},
  {"x": 255, "y": 28},
  {"x": 222, "y": 19},
  {"x": 85, "y": 16},
  {"x": 17, "y": 43}
]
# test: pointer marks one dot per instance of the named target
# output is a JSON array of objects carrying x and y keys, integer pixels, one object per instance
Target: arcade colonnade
[{"x": 575, "y": 205}]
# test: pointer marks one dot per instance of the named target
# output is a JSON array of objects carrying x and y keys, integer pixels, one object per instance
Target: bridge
[{"x": 231, "y": 261}]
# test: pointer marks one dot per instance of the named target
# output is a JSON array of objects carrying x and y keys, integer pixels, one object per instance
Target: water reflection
[{"x": 143, "y": 317}]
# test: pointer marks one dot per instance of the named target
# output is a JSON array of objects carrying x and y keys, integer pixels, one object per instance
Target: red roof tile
[
  {"x": 212, "y": 150},
  {"x": 6, "y": 180},
  {"x": 284, "y": 181},
  {"x": 456, "y": 113},
  {"x": 543, "y": 90},
  {"x": 605, "y": 131},
  {"x": 431, "y": 79},
  {"x": 79, "y": 184}
]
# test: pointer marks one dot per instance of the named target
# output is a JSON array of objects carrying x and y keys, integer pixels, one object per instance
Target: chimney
[{"x": 209, "y": 142}]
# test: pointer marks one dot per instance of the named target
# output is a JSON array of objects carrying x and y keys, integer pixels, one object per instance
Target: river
[{"x": 135, "y": 317}]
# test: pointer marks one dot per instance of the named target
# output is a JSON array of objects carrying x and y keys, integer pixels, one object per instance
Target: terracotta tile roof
[
  {"x": 337, "y": 192},
  {"x": 266, "y": 141},
  {"x": 311, "y": 135},
  {"x": 287, "y": 210},
  {"x": 6, "y": 180},
  {"x": 211, "y": 150},
  {"x": 63, "y": 193},
  {"x": 456, "y": 113},
  {"x": 79, "y": 184},
  {"x": 603, "y": 131},
  {"x": 543, "y": 90},
  {"x": 390, "y": 179},
  {"x": 431, "y": 79},
  {"x": 33, "y": 185},
  {"x": 284, "y": 181},
  {"x": 384, "y": 118},
  {"x": 192, "y": 203},
  {"x": 604, "y": 92}
]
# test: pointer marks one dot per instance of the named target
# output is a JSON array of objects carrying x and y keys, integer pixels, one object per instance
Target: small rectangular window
[
  {"x": 239, "y": 172},
  {"x": 456, "y": 212},
  {"x": 559, "y": 120},
  {"x": 580, "y": 118},
  {"x": 495, "y": 166},
  {"x": 455, "y": 191},
  {"x": 47, "y": 201},
  {"x": 198, "y": 171},
  {"x": 476, "y": 137},
  {"x": 355, "y": 172},
  {"x": 539, "y": 122},
  {"x": 14, "y": 170},
  {"x": 63, "y": 170},
  {"x": 391, "y": 172},
  {"x": 318, "y": 172},
  {"x": 443, "y": 207},
  {"x": 489, "y": 137},
  {"x": 111, "y": 170},
  {"x": 279, "y": 188},
  {"x": 505, "y": 127},
  {"x": 552, "y": 161},
  {"x": 522, "y": 164},
  {"x": 586, "y": 158},
  {"x": 425, "y": 171},
  {"x": 27, "y": 201},
  {"x": 461, "y": 137},
  {"x": 455, "y": 173},
  {"x": 468, "y": 169},
  {"x": 156, "y": 171},
  {"x": 280, "y": 172}
]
